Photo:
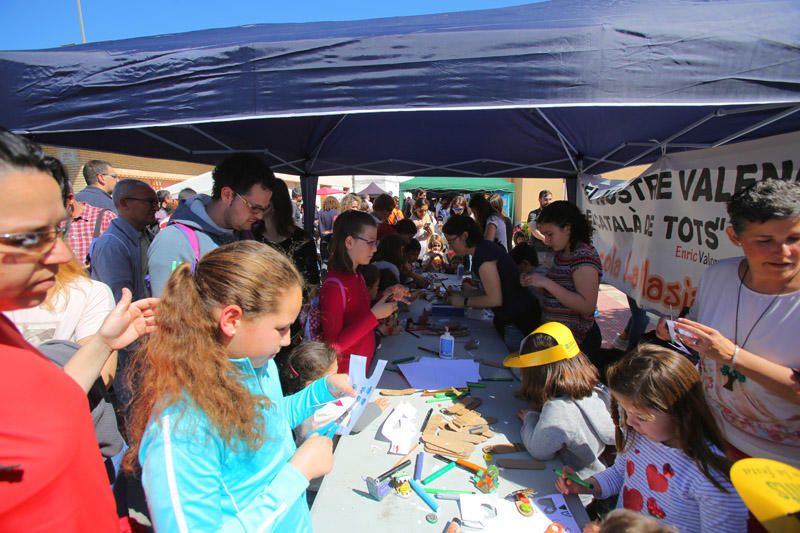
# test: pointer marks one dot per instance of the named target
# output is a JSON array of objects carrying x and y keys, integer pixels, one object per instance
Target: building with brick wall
[{"x": 159, "y": 173}]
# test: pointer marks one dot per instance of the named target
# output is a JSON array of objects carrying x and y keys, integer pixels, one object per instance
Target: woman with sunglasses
[
  {"x": 348, "y": 321},
  {"x": 53, "y": 476}
]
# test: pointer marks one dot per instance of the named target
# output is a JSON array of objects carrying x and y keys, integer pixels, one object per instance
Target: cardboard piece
[{"x": 499, "y": 449}]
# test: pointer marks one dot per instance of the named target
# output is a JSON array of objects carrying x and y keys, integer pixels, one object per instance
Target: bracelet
[{"x": 733, "y": 357}]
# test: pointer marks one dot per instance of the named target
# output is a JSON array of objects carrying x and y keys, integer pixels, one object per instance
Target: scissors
[{"x": 330, "y": 429}]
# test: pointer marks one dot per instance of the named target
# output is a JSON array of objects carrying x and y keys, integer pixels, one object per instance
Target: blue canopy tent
[{"x": 548, "y": 89}]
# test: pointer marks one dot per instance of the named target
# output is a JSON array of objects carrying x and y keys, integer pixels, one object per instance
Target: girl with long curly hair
[{"x": 209, "y": 424}]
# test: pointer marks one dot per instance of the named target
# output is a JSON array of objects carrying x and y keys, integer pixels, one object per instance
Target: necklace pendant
[{"x": 731, "y": 380}]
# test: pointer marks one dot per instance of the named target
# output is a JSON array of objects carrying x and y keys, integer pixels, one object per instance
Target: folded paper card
[{"x": 401, "y": 428}]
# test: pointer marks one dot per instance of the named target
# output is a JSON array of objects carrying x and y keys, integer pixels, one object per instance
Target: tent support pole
[
  {"x": 315, "y": 153},
  {"x": 163, "y": 140},
  {"x": 308, "y": 188},
  {"x": 765, "y": 122},
  {"x": 211, "y": 137},
  {"x": 568, "y": 148}
]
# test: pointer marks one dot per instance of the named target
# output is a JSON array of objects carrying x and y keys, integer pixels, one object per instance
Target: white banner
[{"x": 658, "y": 232}]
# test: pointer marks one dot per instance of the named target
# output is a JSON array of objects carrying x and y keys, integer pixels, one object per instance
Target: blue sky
[{"x": 32, "y": 24}]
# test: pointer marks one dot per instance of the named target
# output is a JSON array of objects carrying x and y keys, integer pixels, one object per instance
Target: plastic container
[{"x": 447, "y": 345}]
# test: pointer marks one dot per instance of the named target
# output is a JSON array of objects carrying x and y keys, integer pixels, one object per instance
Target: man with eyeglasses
[
  {"x": 101, "y": 178},
  {"x": 241, "y": 193},
  {"x": 118, "y": 257},
  {"x": 51, "y": 472}
]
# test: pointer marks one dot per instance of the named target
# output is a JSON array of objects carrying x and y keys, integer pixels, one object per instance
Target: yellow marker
[{"x": 771, "y": 490}]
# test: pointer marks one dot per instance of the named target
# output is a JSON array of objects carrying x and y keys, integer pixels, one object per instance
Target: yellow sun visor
[{"x": 566, "y": 348}]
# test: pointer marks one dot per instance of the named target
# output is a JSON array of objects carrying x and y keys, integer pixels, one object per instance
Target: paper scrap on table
[
  {"x": 435, "y": 373},
  {"x": 557, "y": 510},
  {"x": 401, "y": 428},
  {"x": 492, "y": 514}
]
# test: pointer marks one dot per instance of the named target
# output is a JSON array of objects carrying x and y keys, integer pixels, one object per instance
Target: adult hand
[
  {"x": 456, "y": 300},
  {"x": 339, "y": 385},
  {"x": 662, "y": 331},
  {"x": 399, "y": 293},
  {"x": 314, "y": 458},
  {"x": 538, "y": 281},
  {"x": 384, "y": 308},
  {"x": 707, "y": 341},
  {"x": 128, "y": 321}
]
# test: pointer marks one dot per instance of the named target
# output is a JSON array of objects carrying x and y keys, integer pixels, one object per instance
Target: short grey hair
[
  {"x": 765, "y": 200},
  {"x": 92, "y": 168},
  {"x": 125, "y": 188}
]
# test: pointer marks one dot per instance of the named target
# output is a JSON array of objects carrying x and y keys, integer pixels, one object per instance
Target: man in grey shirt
[{"x": 101, "y": 178}]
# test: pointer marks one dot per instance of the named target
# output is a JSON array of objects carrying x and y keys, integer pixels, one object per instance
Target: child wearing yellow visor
[{"x": 568, "y": 415}]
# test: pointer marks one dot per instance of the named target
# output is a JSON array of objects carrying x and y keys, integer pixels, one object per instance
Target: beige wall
[
  {"x": 527, "y": 194},
  {"x": 159, "y": 173}
]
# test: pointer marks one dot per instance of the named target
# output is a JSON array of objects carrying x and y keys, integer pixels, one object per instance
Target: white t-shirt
[
  {"x": 754, "y": 420},
  {"x": 500, "y": 233},
  {"x": 77, "y": 313}
]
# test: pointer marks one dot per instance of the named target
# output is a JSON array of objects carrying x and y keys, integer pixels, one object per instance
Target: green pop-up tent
[{"x": 461, "y": 185}]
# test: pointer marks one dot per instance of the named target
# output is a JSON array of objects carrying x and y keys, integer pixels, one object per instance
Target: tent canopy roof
[
  {"x": 543, "y": 89},
  {"x": 450, "y": 184}
]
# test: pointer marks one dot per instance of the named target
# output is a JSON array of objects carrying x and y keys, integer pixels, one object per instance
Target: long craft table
[{"x": 343, "y": 504}]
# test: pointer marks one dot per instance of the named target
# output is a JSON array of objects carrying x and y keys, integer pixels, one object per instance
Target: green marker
[
  {"x": 437, "y": 400},
  {"x": 403, "y": 360},
  {"x": 473, "y": 385},
  {"x": 497, "y": 379},
  {"x": 439, "y": 473},
  {"x": 576, "y": 479},
  {"x": 447, "y": 491}
]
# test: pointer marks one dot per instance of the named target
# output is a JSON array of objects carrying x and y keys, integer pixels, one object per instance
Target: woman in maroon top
[{"x": 348, "y": 321}]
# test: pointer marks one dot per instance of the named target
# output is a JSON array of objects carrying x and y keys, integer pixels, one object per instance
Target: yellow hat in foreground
[
  {"x": 565, "y": 349},
  {"x": 771, "y": 490}
]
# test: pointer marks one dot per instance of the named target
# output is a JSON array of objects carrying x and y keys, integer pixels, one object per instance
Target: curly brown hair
[{"x": 185, "y": 357}]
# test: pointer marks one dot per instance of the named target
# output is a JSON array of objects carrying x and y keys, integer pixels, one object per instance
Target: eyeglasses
[
  {"x": 152, "y": 201},
  {"x": 458, "y": 209},
  {"x": 368, "y": 241},
  {"x": 36, "y": 242},
  {"x": 255, "y": 209},
  {"x": 451, "y": 240},
  {"x": 112, "y": 175}
]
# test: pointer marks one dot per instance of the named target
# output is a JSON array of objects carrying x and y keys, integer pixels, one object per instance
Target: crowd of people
[{"x": 178, "y": 323}]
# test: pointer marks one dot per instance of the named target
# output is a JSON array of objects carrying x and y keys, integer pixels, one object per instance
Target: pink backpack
[{"x": 311, "y": 314}]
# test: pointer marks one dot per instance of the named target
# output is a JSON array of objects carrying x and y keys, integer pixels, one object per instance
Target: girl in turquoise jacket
[{"x": 210, "y": 426}]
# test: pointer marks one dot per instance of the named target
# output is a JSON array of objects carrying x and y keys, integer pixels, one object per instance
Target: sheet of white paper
[
  {"x": 673, "y": 335},
  {"x": 475, "y": 509},
  {"x": 366, "y": 387},
  {"x": 556, "y": 509},
  {"x": 435, "y": 373},
  {"x": 401, "y": 428}
]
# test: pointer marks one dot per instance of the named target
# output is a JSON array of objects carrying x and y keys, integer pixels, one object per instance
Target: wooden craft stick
[
  {"x": 519, "y": 464},
  {"x": 498, "y": 449},
  {"x": 397, "y": 392}
]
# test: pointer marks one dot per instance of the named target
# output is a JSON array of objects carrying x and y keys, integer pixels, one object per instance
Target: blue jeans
[{"x": 512, "y": 336}]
